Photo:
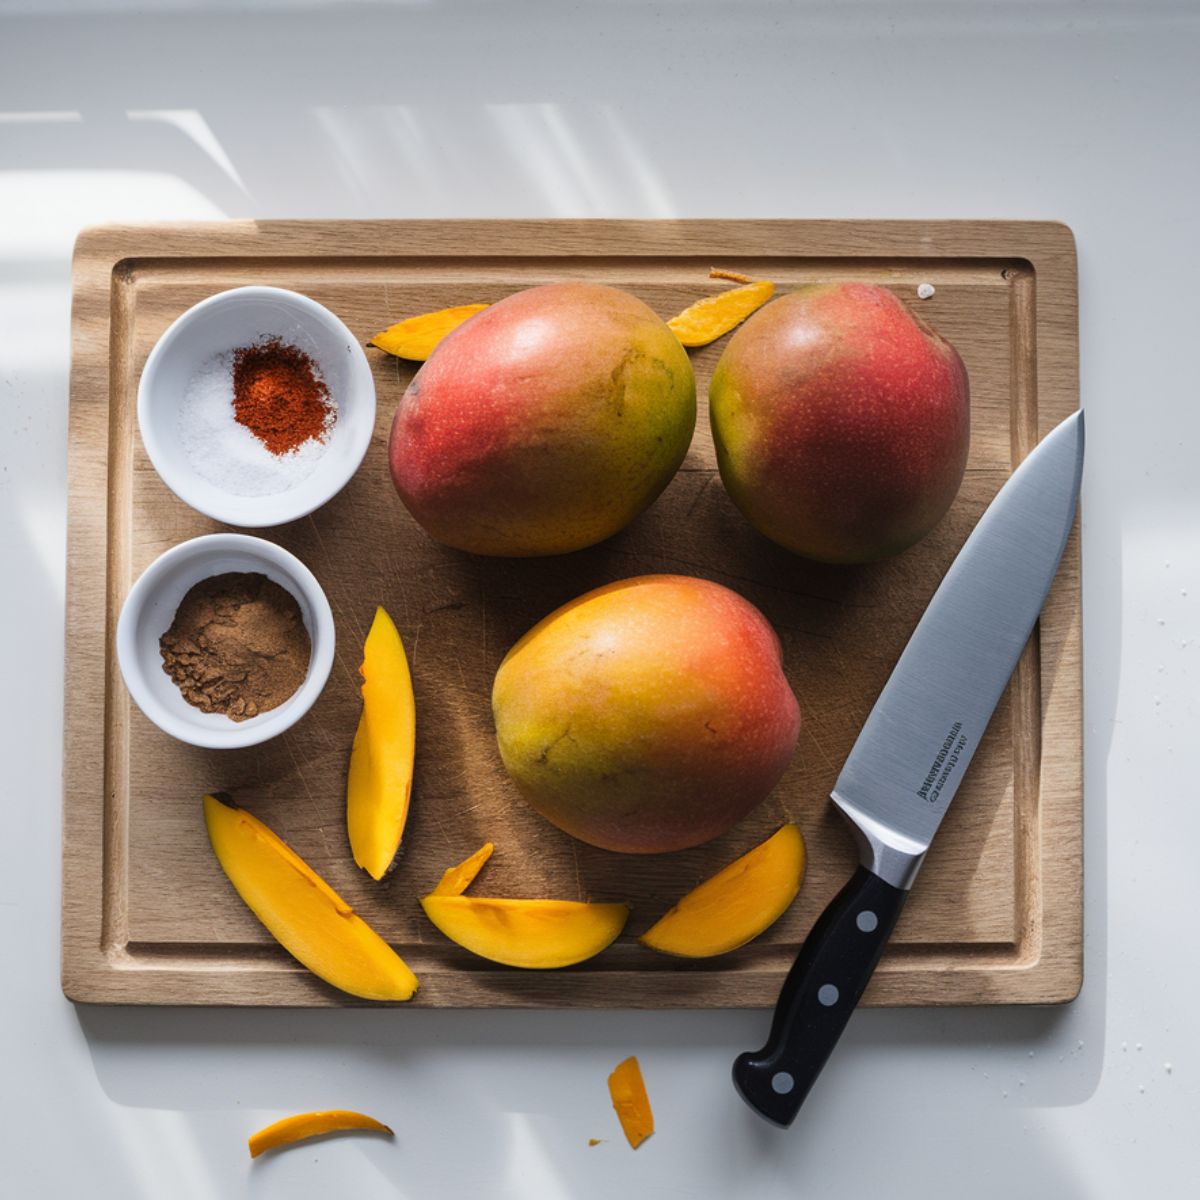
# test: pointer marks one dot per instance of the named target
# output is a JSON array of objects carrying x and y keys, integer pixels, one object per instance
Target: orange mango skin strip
[
  {"x": 629, "y": 1099},
  {"x": 311, "y": 1124}
]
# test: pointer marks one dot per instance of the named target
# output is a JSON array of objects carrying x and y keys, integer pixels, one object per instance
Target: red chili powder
[{"x": 279, "y": 397}]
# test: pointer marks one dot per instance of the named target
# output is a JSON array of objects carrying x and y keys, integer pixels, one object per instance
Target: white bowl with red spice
[
  {"x": 256, "y": 406},
  {"x": 168, "y": 590}
]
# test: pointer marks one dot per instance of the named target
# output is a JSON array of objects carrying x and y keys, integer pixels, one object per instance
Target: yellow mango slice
[
  {"x": 417, "y": 337},
  {"x": 534, "y": 934},
  {"x": 736, "y": 904},
  {"x": 709, "y": 318},
  {"x": 381, "y": 762},
  {"x": 628, "y": 1091},
  {"x": 456, "y": 880},
  {"x": 301, "y": 911},
  {"x": 306, "y": 1125}
]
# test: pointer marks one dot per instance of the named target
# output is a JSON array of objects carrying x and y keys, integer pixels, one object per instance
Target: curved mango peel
[{"x": 311, "y": 1124}]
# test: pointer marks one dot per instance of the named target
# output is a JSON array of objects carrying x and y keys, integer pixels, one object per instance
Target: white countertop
[{"x": 1081, "y": 112}]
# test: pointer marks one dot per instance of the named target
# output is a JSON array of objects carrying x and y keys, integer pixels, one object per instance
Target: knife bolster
[{"x": 885, "y": 852}]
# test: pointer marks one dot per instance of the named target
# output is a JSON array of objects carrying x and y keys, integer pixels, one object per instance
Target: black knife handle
[{"x": 820, "y": 992}]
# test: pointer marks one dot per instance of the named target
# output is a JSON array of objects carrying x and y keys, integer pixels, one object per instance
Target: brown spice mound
[
  {"x": 237, "y": 645},
  {"x": 279, "y": 397}
]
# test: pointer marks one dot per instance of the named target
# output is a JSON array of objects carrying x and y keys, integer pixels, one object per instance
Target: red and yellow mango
[
  {"x": 841, "y": 422},
  {"x": 648, "y": 715},
  {"x": 544, "y": 424}
]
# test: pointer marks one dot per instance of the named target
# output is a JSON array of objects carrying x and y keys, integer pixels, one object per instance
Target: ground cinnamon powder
[
  {"x": 279, "y": 396},
  {"x": 237, "y": 645}
]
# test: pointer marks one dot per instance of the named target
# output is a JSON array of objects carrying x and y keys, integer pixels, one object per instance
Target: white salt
[
  {"x": 925, "y": 290},
  {"x": 227, "y": 454}
]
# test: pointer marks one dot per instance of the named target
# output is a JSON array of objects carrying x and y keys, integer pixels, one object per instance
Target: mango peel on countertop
[
  {"x": 736, "y": 904},
  {"x": 532, "y": 934},
  {"x": 312, "y": 1124},
  {"x": 713, "y": 316},
  {"x": 301, "y": 911},
  {"x": 416, "y": 338},
  {"x": 628, "y": 1091},
  {"x": 379, "y": 784}
]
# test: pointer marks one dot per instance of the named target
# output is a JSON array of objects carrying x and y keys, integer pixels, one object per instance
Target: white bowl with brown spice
[
  {"x": 225, "y": 640},
  {"x": 256, "y": 406}
]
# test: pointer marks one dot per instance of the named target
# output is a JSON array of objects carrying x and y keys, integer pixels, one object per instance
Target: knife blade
[{"x": 911, "y": 755}]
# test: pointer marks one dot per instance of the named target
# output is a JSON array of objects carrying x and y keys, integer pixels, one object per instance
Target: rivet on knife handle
[{"x": 820, "y": 992}]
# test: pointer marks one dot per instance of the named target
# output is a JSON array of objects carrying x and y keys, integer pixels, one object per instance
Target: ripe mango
[
  {"x": 648, "y": 715},
  {"x": 841, "y": 422},
  {"x": 544, "y": 424}
]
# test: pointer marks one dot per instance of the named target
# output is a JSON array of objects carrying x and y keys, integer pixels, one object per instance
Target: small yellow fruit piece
[
  {"x": 417, "y": 337},
  {"x": 381, "y": 762},
  {"x": 301, "y": 911},
  {"x": 306, "y": 1125},
  {"x": 457, "y": 879},
  {"x": 709, "y": 318},
  {"x": 628, "y": 1091},
  {"x": 732, "y": 276},
  {"x": 534, "y": 934},
  {"x": 736, "y": 904}
]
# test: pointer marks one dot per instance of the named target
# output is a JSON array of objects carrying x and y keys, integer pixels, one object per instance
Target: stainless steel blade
[{"x": 911, "y": 754}]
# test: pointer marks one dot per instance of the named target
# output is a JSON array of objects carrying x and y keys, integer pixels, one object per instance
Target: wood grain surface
[{"x": 148, "y": 917}]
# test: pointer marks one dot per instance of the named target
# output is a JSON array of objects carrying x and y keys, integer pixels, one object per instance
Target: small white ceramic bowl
[
  {"x": 150, "y": 608},
  {"x": 219, "y": 325}
]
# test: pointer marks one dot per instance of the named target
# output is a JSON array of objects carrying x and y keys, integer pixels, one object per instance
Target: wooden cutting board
[{"x": 148, "y": 917}]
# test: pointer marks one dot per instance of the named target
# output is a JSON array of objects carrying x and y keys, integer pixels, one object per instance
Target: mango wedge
[
  {"x": 301, "y": 911},
  {"x": 456, "y": 880},
  {"x": 737, "y": 903},
  {"x": 306, "y": 1125},
  {"x": 628, "y": 1091},
  {"x": 381, "y": 763},
  {"x": 417, "y": 337},
  {"x": 534, "y": 934},
  {"x": 713, "y": 316}
]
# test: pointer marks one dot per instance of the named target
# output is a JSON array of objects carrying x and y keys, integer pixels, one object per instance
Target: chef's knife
[{"x": 910, "y": 757}]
